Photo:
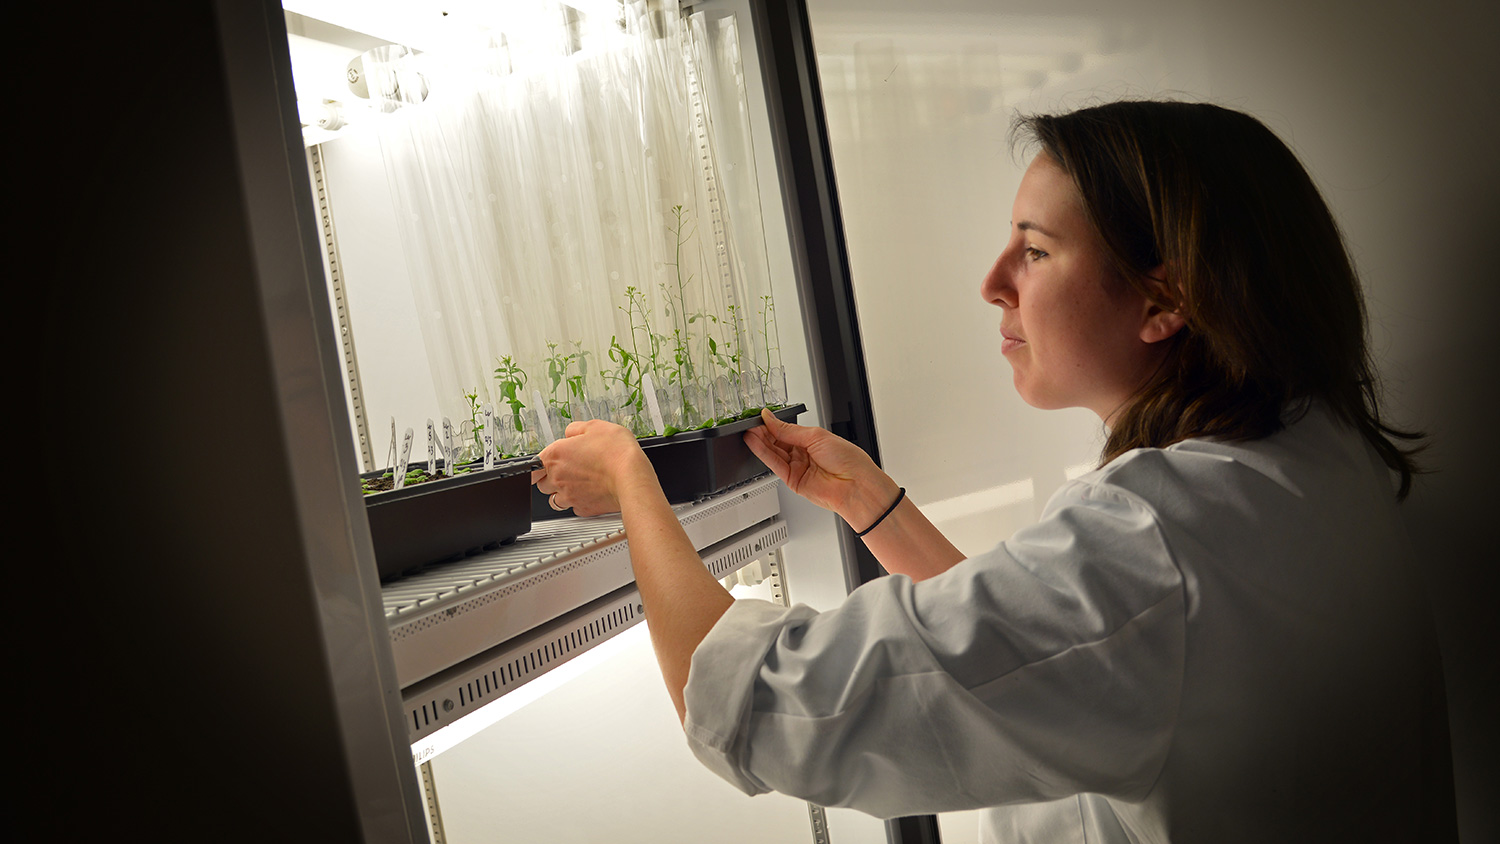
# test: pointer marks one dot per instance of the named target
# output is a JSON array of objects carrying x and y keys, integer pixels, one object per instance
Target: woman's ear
[
  {"x": 1161, "y": 324},
  {"x": 1163, "y": 310}
]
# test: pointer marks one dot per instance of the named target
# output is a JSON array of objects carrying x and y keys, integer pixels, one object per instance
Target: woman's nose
[{"x": 997, "y": 287}]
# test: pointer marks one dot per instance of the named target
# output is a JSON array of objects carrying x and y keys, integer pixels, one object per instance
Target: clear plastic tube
[{"x": 574, "y": 217}]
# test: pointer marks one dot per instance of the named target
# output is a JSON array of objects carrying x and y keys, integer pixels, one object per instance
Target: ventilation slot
[
  {"x": 537, "y": 660},
  {"x": 476, "y": 690},
  {"x": 735, "y": 559},
  {"x": 425, "y": 715}
]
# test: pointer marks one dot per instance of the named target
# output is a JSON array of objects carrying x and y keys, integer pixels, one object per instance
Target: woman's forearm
[
  {"x": 681, "y": 599},
  {"x": 837, "y": 475},
  {"x": 905, "y": 541}
]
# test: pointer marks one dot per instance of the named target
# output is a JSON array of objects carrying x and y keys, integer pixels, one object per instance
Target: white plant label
[
  {"x": 390, "y": 459},
  {"x": 431, "y": 448},
  {"x": 448, "y": 454},
  {"x": 648, "y": 387},
  {"x": 489, "y": 436},
  {"x": 405, "y": 456},
  {"x": 543, "y": 419}
]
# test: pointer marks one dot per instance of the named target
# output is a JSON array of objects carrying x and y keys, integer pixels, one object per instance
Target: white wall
[
  {"x": 1391, "y": 106},
  {"x": 395, "y": 377}
]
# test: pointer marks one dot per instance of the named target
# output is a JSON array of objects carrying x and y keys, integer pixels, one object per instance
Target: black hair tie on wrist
[{"x": 900, "y": 494}]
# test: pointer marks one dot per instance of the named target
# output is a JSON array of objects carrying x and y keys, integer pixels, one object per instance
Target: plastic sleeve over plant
[
  {"x": 744, "y": 269},
  {"x": 582, "y": 213}
]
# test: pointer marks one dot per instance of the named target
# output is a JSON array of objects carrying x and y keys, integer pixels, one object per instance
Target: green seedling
[
  {"x": 560, "y": 366},
  {"x": 677, "y": 306},
  {"x": 626, "y": 374},
  {"x": 633, "y": 364},
  {"x": 474, "y": 419},
  {"x": 577, "y": 383},
  {"x": 767, "y": 323},
  {"x": 732, "y": 361},
  {"x": 635, "y": 310},
  {"x": 384, "y": 483},
  {"x": 719, "y": 351},
  {"x": 681, "y": 339},
  {"x": 512, "y": 380}
]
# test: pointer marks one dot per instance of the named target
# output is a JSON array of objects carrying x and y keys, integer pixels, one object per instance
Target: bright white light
[
  {"x": 1078, "y": 471},
  {"x": 979, "y": 502},
  {"x": 318, "y": 69},
  {"x": 462, "y": 45},
  {"x": 492, "y": 713}
]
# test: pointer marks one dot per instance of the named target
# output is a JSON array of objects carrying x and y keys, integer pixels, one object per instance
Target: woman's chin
[
  {"x": 1027, "y": 396},
  {"x": 1036, "y": 399}
]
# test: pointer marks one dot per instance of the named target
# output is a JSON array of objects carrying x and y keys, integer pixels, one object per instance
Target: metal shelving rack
[{"x": 466, "y": 633}]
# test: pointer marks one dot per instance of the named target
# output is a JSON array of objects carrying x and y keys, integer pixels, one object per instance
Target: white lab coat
[{"x": 1208, "y": 642}]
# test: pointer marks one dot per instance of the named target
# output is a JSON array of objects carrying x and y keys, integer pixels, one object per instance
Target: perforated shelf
[
  {"x": 455, "y": 612},
  {"x": 464, "y": 689}
]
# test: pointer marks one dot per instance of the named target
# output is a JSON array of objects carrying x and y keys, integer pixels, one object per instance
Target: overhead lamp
[
  {"x": 385, "y": 76},
  {"x": 327, "y": 115}
]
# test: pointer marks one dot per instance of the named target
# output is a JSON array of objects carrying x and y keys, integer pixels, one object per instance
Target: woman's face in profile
[{"x": 1075, "y": 333}]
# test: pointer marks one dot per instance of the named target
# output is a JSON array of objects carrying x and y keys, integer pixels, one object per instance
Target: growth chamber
[{"x": 534, "y": 212}]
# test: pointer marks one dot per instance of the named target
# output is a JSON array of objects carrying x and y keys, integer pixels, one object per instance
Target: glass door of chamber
[{"x": 527, "y": 209}]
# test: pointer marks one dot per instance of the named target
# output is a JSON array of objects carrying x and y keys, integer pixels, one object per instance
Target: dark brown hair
[{"x": 1254, "y": 263}]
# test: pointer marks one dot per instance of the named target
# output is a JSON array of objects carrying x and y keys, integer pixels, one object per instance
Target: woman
[{"x": 1213, "y": 637}]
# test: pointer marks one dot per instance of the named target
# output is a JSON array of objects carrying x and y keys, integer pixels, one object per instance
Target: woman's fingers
[
  {"x": 789, "y": 464},
  {"x": 759, "y": 440},
  {"x": 775, "y": 458},
  {"x": 786, "y": 432},
  {"x": 576, "y": 428},
  {"x": 582, "y": 470},
  {"x": 541, "y": 481}
]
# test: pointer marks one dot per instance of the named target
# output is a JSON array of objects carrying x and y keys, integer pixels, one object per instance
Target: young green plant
[
  {"x": 512, "y": 380},
  {"x": 682, "y": 374},
  {"x": 632, "y": 363},
  {"x": 474, "y": 422},
  {"x": 560, "y": 366}
]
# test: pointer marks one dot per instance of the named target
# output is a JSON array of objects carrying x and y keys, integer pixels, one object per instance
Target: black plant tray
[
  {"x": 694, "y": 464},
  {"x": 447, "y": 519}
]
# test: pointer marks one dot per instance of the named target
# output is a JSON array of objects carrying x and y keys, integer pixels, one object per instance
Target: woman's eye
[{"x": 1034, "y": 253}]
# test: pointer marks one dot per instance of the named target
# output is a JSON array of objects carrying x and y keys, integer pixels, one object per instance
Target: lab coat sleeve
[{"x": 1047, "y": 667}]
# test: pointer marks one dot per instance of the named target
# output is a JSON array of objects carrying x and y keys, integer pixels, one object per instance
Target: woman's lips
[{"x": 1009, "y": 342}]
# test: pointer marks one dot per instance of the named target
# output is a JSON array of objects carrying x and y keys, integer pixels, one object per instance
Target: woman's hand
[
  {"x": 587, "y": 468},
  {"x": 824, "y": 468},
  {"x": 598, "y": 467}
]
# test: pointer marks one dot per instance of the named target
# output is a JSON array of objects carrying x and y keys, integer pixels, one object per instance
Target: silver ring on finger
[{"x": 552, "y": 502}]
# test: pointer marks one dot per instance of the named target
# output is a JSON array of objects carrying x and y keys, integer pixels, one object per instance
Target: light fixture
[
  {"x": 327, "y": 115},
  {"x": 385, "y": 76}
]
